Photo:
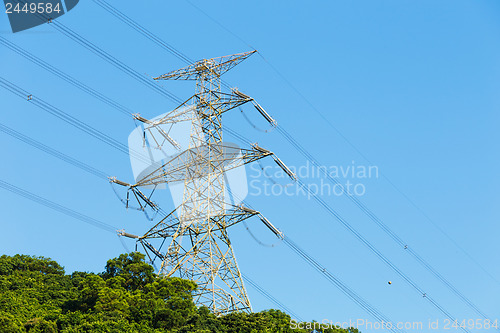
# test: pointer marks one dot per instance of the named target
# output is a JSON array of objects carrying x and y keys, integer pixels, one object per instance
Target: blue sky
[{"x": 412, "y": 84}]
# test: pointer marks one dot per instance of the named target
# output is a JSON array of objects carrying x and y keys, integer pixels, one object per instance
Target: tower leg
[{"x": 209, "y": 261}]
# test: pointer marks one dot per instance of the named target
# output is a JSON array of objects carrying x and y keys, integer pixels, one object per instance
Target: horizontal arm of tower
[
  {"x": 219, "y": 103},
  {"x": 181, "y": 113},
  {"x": 171, "y": 225},
  {"x": 180, "y": 252},
  {"x": 156, "y": 133},
  {"x": 197, "y": 162},
  {"x": 232, "y": 216},
  {"x": 214, "y": 67}
]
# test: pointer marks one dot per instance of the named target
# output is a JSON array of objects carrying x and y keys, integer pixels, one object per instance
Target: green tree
[
  {"x": 9, "y": 324},
  {"x": 132, "y": 268},
  {"x": 38, "y": 297}
]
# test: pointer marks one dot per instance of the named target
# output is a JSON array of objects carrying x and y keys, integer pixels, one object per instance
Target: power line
[
  {"x": 76, "y": 37},
  {"x": 220, "y": 24},
  {"x": 270, "y": 297},
  {"x": 73, "y": 81},
  {"x": 379, "y": 254},
  {"x": 354, "y": 147},
  {"x": 135, "y": 25},
  {"x": 346, "y": 290},
  {"x": 72, "y": 213},
  {"x": 115, "y": 62},
  {"x": 355, "y": 200},
  {"x": 92, "y": 47},
  {"x": 255, "y": 237},
  {"x": 106, "y": 56},
  {"x": 43, "y": 64},
  {"x": 51, "y": 151},
  {"x": 148, "y": 34},
  {"x": 95, "y": 49},
  {"x": 370, "y": 246},
  {"x": 23, "y": 93},
  {"x": 20, "y": 92},
  {"x": 398, "y": 240},
  {"x": 142, "y": 30},
  {"x": 62, "y": 115},
  {"x": 55, "y": 206}
]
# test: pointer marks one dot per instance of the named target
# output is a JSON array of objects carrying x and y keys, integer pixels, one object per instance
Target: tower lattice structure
[{"x": 200, "y": 248}]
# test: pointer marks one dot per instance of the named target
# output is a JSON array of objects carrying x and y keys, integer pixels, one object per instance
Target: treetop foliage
[{"x": 36, "y": 296}]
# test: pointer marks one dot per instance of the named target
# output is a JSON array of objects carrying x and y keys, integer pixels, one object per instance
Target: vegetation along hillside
[{"x": 37, "y": 296}]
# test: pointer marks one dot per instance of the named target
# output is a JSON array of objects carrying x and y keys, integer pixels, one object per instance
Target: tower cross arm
[
  {"x": 208, "y": 67},
  {"x": 193, "y": 163}
]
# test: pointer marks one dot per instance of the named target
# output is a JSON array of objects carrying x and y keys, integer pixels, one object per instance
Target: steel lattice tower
[{"x": 200, "y": 249}]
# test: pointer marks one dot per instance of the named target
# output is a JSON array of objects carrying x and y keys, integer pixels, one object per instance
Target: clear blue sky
[{"x": 412, "y": 84}]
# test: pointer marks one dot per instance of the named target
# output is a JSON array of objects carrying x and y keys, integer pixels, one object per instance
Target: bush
[{"x": 38, "y": 297}]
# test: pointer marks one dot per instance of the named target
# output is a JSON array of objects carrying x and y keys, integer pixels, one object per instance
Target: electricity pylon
[{"x": 200, "y": 249}]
